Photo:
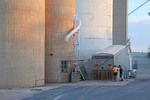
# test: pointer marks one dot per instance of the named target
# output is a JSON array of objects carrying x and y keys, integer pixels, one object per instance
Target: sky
[{"x": 139, "y": 25}]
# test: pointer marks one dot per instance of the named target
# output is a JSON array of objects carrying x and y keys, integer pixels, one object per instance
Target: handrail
[{"x": 73, "y": 31}]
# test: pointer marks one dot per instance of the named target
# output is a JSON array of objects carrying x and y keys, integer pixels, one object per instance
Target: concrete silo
[
  {"x": 59, "y": 54},
  {"x": 22, "y": 38},
  {"x": 120, "y": 22},
  {"x": 96, "y": 30}
]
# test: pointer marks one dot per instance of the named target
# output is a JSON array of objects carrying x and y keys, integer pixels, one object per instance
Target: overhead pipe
[{"x": 73, "y": 31}]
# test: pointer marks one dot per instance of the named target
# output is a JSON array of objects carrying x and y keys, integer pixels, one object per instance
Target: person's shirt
[
  {"x": 121, "y": 70},
  {"x": 115, "y": 69}
]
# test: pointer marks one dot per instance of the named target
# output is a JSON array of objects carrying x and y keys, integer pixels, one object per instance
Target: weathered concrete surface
[
  {"x": 120, "y": 22},
  {"x": 96, "y": 29},
  {"x": 59, "y": 22},
  {"x": 22, "y": 32}
]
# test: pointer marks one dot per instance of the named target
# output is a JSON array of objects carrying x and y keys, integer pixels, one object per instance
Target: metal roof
[{"x": 111, "y": 50}]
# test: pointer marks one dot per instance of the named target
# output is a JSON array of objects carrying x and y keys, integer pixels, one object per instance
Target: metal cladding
[
  {"x": 120, "y": 22},
  {"x": 96, "y": 29},
  {"x": 59, "y": 22},
  {"x": 22, "y": 38}
]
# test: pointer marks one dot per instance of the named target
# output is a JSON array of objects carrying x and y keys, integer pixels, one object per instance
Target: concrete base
[{"x": 75, "y": 77}]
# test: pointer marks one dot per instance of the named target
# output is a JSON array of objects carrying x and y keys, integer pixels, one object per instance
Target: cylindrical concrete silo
[
  {"x": 96, "y": 29},
  {"x": 59, "y": 54},
  {"x": 22, "y": 38}
]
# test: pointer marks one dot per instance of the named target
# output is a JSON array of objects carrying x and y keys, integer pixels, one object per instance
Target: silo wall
[
  {"x": 22, "y": 39},
  {"x": 96, "y": 30},
  {"x": 58, "y": 53},
  {"x": 120, "y": 22}
]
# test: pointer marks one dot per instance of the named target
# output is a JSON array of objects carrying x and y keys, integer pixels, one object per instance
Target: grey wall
[
  {"x": 141, "y": 59},
  {"x": 120, "y": 22},
  {"x": 122, "y": 58}
]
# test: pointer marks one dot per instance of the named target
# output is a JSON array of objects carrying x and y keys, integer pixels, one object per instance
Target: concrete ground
[
  {"x": 21, "y": 93},
  {"x": 86, "y": 90}
]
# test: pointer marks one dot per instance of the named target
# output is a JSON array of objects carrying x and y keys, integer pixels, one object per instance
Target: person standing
[
  {"x": 121, "y": 72},
  {"x": 115, "y": 70}
]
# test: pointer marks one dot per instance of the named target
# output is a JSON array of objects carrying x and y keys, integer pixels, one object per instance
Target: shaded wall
[
  {"x": 22, "y": 32},
  {"x": 59, "y": 22},
  {"x": 120, "y": 22}
]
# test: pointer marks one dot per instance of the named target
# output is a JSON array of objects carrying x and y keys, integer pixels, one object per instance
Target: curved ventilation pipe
[{"x": 78, "y": 22}]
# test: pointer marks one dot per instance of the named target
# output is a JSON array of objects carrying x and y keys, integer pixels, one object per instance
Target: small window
[{"x": 64, "y": 66}]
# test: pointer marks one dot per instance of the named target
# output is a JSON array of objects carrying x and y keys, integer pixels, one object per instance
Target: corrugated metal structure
[
  {"x": 104, "y": 60},
  {"x": 115, "y": 55},
  {"x": 22, "y": 32},
  {"x": 120, "y": 22},
  {"x": 96, "y": 29},
  {"x": 59, "y": 54}
]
